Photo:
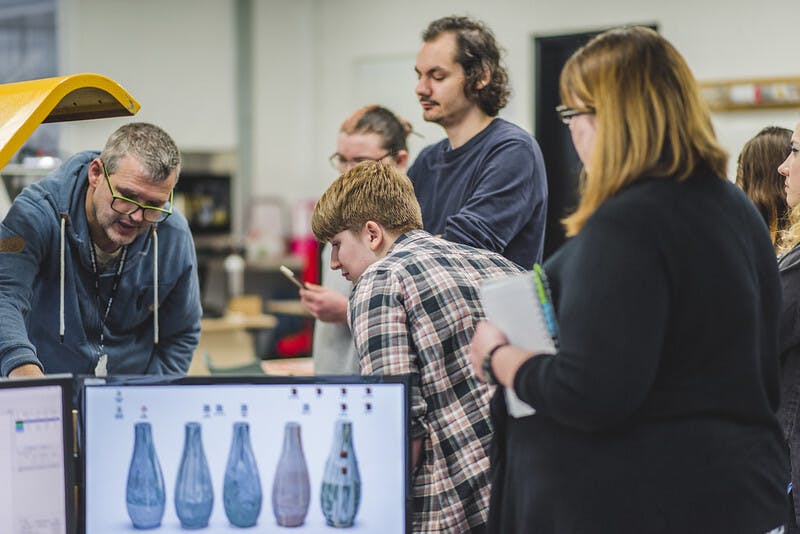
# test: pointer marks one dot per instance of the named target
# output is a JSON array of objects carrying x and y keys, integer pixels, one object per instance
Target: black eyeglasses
[
  {"x": 127, "y": 206},
  {"x": 566, "y": 114},
  {"x": 340, "y": 162}
]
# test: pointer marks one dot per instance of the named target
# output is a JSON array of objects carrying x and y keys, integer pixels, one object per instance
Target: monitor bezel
[
  {"x": 148, "y": 380},
  {"x": 66, "y": 383}
]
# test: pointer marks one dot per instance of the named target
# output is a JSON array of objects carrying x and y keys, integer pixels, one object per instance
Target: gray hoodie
[{"x": 153, "y": 325}]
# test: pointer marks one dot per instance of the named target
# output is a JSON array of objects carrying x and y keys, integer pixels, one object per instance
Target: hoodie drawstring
[
  {"x": 61, "y": 325},
  {"x": 155, "y": 285},
  {"x": 61, "y": 278}
]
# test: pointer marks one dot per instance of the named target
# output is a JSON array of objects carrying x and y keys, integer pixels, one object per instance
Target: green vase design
[{"x": 341, "y": 482}]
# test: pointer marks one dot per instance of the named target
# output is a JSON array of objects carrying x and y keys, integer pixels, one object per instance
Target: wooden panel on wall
[{"x": 752, "y": 93}]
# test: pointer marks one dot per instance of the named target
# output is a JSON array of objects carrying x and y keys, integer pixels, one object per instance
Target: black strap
[{"x": 114, "y": 287}]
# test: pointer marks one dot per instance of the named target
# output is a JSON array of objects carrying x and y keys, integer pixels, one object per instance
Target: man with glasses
[
  {"x": 485, "y": 185},
  {"x": 98, "y": 275},
  {"x": 371, "y": 133}
]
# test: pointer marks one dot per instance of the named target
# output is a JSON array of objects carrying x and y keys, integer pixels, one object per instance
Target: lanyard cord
[
  {"x": 114, "y": 287},
  {"x": 61, "y": 327}
]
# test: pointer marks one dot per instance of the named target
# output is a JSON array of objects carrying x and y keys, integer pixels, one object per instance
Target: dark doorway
[{"x": 561, "y": 160}]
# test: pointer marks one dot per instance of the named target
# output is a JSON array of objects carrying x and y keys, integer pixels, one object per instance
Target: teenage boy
[{"x": 412, "y": 311}]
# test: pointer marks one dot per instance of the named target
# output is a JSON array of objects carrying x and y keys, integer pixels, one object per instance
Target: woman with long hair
[
  {"x": 760, "y": 180},
  {"x": 657, "y": 412},
  {"x": 789, "y": 267}
]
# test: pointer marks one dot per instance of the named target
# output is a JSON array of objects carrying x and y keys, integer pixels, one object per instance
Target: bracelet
[{"x": 486, "y": 367}]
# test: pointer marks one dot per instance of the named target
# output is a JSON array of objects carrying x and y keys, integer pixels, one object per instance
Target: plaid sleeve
[{"x": 379, "y": 323}]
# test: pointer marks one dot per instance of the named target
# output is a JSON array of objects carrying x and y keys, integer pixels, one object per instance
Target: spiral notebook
[{"x": 520, "y": 305}]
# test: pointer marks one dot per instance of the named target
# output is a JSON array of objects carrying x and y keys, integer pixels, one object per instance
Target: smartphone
[{"x": 287, "y": 272}]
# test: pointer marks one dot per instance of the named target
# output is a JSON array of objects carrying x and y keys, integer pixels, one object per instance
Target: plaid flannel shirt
[{"x": 414, "y": 312}]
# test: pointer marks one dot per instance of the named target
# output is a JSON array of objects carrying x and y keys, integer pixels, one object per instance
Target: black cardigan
[
  {"x": 657, "y": 413},
  {"x": 789, "y": 411}
]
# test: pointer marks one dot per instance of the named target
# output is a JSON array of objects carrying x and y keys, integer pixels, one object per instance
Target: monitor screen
[
  {"x": 36, "y": 438},
  {"x": 205, "y": 200},
  {"x": 224, "y": 453}
]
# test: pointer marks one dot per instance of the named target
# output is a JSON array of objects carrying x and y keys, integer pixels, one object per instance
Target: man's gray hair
[{"x": 149, "y": 144}]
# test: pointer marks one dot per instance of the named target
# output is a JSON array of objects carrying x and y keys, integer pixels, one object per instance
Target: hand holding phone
[{"x": 287, "y": 272}]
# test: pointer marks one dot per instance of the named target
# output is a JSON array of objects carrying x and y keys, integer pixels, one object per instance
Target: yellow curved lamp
[{"x": 25, "y": 105}]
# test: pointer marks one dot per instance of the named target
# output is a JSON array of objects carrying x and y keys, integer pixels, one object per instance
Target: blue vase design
[
  {"x": 341, "y": 481},
  {"x": 241, "y": 491},
  {"x": 291, "y": 489},
  {"x": 194, "y": 495},
  {"x": 145, "y": 496}
]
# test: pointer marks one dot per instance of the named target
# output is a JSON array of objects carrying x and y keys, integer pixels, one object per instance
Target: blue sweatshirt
[
  {"x": 489, "y": 193},
  {"x": 31, "y": 280}
]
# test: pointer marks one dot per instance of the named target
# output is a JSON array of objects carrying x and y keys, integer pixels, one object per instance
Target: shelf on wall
[{"x": 747, "y": 94}]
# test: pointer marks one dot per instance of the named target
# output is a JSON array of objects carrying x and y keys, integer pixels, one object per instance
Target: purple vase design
[
  {"x": 341, "y": 481},
  {"x": 291, "y": 490},
  {"x": 145, "y": 495}
]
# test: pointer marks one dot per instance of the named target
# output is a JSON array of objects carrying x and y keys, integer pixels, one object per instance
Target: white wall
[
  {"x": 313, "y": 61},
  {"x": 719, "y": 38},
  {"x": 284, "y": 74},
  {"x": 176, "y": 57}
]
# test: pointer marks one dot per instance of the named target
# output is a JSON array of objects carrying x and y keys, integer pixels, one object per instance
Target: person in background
[
  {"x": 84, "y": 283},
  {"x": 657, "y": 413},
  {"x": 485, "y": 184},
  {"x": 789, "y": 268},
  {"x": 412, "y": 311},
  {"x": 372, "y": 133},
  {"x": 756, "y": 174}
]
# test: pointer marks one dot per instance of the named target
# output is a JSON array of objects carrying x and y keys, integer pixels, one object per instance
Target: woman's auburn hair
[
  {"x": 757, "y": 174},
  {"x": 651, "y": 118}
]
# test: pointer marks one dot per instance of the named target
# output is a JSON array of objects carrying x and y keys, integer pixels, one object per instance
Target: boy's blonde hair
[{"x": 370, "y": 191}]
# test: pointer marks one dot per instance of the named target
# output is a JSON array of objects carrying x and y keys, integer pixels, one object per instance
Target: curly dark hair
[{"x": 477, "y": 51}]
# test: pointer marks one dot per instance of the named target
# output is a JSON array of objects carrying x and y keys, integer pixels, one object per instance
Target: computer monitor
[
  {"x": 37, "y": 484},
  {"x": 221, "y": 453}
]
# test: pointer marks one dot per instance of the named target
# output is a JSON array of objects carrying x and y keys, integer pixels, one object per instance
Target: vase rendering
[
  {"x": 194, "y": 495},
  {"x": 291, "y": 489},
  {"x": 341, "y": 481},
  {"x": 241, "y": 491},
  {"x": 145, "y": 496}
]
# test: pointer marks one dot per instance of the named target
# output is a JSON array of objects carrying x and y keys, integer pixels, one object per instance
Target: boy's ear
[{"x": 374, "y": 234}]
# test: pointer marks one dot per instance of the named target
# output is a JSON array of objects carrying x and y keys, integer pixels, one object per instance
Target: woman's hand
[
  {"x": 506, "y": 360},
  {"x": 324, "y": 303},
  {"x": 486, "y": 337}
]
